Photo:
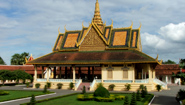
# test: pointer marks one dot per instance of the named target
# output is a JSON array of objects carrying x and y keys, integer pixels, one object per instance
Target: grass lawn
[
  {"x": 16, "y": 94},
  {"x": 72, "y": 100}
]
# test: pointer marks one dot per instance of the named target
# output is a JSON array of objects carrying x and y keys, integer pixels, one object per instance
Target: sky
[{"x": 32, "y": 25}]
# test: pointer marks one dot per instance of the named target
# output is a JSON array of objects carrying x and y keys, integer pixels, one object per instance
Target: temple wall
[{"x": 117, "y": 73}]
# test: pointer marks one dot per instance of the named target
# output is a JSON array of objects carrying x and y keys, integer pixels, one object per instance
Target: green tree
[
  {"x": 138, "y": 96},
  {"x": 133, "y": 100},
  {"x": 169, "y": 62},
  {"x": 32, "y": 100},
  {"x": 180, "y": 75},
  {"x": 2, "y": 61},
  {"x": 19, "y": 74},
  {"x": 182, "y": 63},
  {"x": 6, "y": 75},
  {"x": 19, "y": 59},
  {"x": 126, "y": 102}
]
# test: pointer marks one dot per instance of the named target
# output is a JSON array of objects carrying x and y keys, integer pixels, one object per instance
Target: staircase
[{"x": 86, "y": 84}]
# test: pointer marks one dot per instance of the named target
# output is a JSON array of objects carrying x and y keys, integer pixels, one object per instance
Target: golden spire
[{"x": 97, "y": 17}]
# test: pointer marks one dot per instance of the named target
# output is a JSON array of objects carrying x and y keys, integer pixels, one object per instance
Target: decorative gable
[{"x": 92, "y": 42}]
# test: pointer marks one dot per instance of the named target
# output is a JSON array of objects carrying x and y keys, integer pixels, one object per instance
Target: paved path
[
  {"x": 167, "y": 97},
  {"x": 57, "y": 91}
]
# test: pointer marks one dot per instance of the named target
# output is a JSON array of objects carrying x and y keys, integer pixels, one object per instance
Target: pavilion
[{"x": 110, "y": 55}]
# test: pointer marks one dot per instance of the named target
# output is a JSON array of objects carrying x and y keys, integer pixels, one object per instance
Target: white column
[
  {"x": 149, "y": 74},
  {"x": 153, "y": 74},
  {"x": 35, "y": 74},
  {"x": 133, "y": 76},
  {"x": 166, "y": 79},
  {"x": 47, "y": 74},
  {"x": 74, "y": 74}
]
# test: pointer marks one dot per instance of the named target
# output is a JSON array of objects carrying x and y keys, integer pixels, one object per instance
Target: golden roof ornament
[{"x": 97, "y": 17}]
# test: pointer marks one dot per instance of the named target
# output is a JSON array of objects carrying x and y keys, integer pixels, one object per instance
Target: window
[
  {"x": 109, "y": 74},
  {"x": 125, "y": 74}
]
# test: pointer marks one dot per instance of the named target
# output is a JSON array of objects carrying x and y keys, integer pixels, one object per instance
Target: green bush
[
  {"x": 180, "y": 95},
  {"x": 37, "y": 85},
  {"x": 32, "y": 100},
  {"x": 83, "y": 90},
  {"x": 45, "y": 89},
  {"x": 126, "y": 102},
  {"x": 3, "y": 92},
  {"x": 133, "y": 100},
  {"x": 27, "y": 84},
  {"x": 101, "y": 92},
  {"x": 59, "y": 85},
  {"x": 148, "y": 99},
  {"x": 127, "y": 86},
  {"x": 104, "y": 99},
  {"x": 48, "y": 85},
  {"x": 100, "y": 84},
  {"x": 85, "y": 97},
  {"x": 71, "y": 85},
  {"x": 141, "y": 87},
  {"x": 111, "y": 87},
  {"x": 138, "y": 96},
  {"x": 158, "y": 87},
  {"x": 119, "y": 97}
]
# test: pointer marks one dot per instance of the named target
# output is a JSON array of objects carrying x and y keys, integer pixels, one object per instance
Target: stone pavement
[{"x": 165, "y": 97}]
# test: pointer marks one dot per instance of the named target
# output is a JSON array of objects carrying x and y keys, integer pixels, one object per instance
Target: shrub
[
  {"x": 45, "y": 89},
  {"x": 85, "y": 97},
  {"x": 133, "y": 100},
  {"x": 37, "y": 85},
  {"x": 180, "y": 95},
  {"x": 59, "y": 85},
  {"x": 101, "y": 92},
  {"x": 32, "y": 100},
  {"x": 48, "y": 85},
  {"x": 71, "y": 85},
  {"x": 27, "y": 84},
  {"x": 3, "y": 92},
  {"x": 141, "y": 87},
  {"x": 83, "y": 90},
  {"x": 100, "y": 84},
  {"x": 158, "y": 87},
  {"x": 144, "y": 92},
  {"x": 138, "y": 96},
  {"x": 127, "y": 86},
  {"x": 105, "y": 99},
  {"x": 119, "y": 97},
  {"x": 126, "y": 102},
  {"x": 111, "y": 87}
]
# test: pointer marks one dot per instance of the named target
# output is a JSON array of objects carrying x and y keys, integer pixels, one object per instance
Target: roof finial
[{"x": 97, "y": 17}]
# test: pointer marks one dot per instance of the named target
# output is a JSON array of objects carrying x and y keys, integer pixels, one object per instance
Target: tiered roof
[{"x": 97, "y": 44}]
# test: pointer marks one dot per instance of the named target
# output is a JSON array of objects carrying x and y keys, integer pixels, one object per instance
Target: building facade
[{"x": 99, "y": 53}]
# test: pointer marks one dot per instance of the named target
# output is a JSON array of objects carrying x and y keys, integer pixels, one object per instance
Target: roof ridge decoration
[{"x": 97, "y": 17}]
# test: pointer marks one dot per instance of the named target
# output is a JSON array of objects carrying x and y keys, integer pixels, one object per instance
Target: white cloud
[
  {"x": 174, "y": 32},
  {"x": 34, "y": 23}
]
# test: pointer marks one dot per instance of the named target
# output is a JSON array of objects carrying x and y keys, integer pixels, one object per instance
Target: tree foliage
[
  {"x": 6, "y": 75},
  {"x": 19, "y": 74},
  {"x": 179, "y": 75},
  {"x": 19, "y": 59},
  {"x": 182, "y": 63},
  {"x": 169, "y": 62},
  {"x": 2, "y": 61}
]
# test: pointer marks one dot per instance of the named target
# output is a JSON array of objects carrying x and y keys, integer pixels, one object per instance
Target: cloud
[
  {"x": 30, "y": 25},
  {"x": 168, "y": 43}
]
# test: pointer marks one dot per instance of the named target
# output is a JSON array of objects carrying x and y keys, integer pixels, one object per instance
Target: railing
[
  {"x": 160, "y": 83},
  {"x": 78, "y": 82},
  {"x": 92, "y": 84},
  {"x": 42, "y": 80},
  {"x": 98, "y": 80},
  {"x": 118, "y": 81},
  {"x": 141, "y": 81},
  {"x": 61, "y": 80}
]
